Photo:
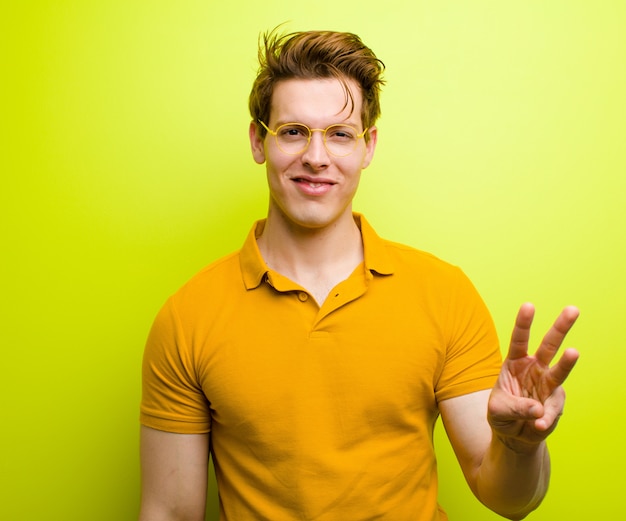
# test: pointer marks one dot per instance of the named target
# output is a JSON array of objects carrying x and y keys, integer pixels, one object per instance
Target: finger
[
  {"x": 521, "y": 332},
  {"x": 554, "y": 337},
  {"x": 561, "y": 370},
  {"x": 504, "y": 408},
  {"x": 552, "y": 411}
]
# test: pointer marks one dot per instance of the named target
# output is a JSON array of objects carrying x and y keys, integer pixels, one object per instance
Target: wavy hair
[{"x": 313, "y": 55}]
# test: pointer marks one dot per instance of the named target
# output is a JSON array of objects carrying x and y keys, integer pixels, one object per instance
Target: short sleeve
[
  {"x": 472, "y": 357},
  {"x": 172, "y": 399}
]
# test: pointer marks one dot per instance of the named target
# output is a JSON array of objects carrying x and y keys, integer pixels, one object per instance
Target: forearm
[{"x": 513, "y": 481}]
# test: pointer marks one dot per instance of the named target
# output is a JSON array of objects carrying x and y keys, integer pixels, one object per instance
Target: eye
[
  {"x": 340, "y": 133},
  {"x": 293, "y": 131}
]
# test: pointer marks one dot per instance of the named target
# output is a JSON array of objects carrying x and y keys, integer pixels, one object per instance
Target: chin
[{"x": 313, "y": 220}]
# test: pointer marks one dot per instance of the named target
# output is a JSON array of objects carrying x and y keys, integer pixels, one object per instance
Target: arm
[
  {"x": 174, "y": 469},
  {"x": 509, "y": 483},
  {"x": 499, "y": 436}
]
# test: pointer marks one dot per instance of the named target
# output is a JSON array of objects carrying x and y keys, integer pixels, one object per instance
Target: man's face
[{"x": 313, "y": 189}]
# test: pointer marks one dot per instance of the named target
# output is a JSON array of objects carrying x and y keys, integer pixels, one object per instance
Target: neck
[{"x": 315, "y": 258}]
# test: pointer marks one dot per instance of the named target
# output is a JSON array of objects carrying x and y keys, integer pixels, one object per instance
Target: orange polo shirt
[{"x": 327, "y": 413}]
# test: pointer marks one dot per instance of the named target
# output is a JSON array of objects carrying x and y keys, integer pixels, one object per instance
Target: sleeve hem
[
  {"x": 174, "y": 425},
  {"x": 479, "y": 384}
]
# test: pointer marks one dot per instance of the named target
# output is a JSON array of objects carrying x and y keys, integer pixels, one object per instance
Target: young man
[{"x": 313, "y": 363}]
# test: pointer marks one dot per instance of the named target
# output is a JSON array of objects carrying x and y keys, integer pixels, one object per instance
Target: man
[{"x": 313, "y": 363}]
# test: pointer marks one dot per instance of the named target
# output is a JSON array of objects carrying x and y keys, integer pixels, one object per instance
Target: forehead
[{"x": 317, "y": 101}]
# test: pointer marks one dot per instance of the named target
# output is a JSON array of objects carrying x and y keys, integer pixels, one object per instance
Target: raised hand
[{"x": 528, "y": 398}]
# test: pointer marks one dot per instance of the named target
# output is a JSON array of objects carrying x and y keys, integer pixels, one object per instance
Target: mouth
[
  {"x": 313, "y": 187},
  {"x": 314, "y": 183},
  {"x": 310, "y": 183}
]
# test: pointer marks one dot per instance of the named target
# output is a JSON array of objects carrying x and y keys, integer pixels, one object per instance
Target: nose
[{"x": 316, "y": 155}]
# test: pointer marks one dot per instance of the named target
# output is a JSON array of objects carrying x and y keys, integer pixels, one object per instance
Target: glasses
[{"x": 294, "y": 138}]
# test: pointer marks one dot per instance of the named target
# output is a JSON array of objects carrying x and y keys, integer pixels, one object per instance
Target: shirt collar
[{"x": 253, "y": 268}]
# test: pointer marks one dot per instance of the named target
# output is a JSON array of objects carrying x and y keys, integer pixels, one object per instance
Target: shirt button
[{"x": 302, "y": 296}]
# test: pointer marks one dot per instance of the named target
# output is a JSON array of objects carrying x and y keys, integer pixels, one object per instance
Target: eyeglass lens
[{"x": 294, "y": 138}]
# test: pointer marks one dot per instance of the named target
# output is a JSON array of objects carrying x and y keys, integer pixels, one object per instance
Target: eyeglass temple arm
[{"x": 273, "y": 133}]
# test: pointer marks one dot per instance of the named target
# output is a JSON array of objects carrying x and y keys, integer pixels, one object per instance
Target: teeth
[{"x": 312, "y": 184}]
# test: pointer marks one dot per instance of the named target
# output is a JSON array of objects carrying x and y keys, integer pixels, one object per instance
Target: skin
[
  {"x": 318, "y": 104},
  {"x": 174, "y": 474},
  {"x": 503, "y": 454},
  {"x": 310, "y": 236}
]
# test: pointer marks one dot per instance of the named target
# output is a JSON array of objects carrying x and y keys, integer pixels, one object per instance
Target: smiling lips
[{"x": 310, "y": 186}]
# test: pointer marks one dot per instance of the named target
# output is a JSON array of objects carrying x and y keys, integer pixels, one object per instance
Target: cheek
[
  {"x": 351, "y": 167},
  {"x": 280, "y": 164},
  {"x": 277, "y": 171},
  {"x": 366, "y": 159}
]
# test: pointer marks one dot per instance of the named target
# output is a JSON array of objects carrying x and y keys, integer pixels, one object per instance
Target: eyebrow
[{"x": 345, "y": 122}]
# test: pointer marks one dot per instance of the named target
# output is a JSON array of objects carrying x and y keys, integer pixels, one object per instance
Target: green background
[{"x": 125, "y": 168}]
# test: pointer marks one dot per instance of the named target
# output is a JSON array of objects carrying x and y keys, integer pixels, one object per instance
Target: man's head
[{"x": 317, "y": 55}]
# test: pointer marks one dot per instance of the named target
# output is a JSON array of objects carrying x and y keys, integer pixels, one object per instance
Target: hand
[{"x": 527, "y": 400}]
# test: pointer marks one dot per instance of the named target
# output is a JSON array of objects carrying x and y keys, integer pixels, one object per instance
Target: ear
[
  {"x": 256, "y": 144},
  {"x": 370, "y": 147}
]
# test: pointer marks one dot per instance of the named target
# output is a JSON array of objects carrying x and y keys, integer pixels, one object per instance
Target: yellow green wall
[{"x": 125, "y": 168}]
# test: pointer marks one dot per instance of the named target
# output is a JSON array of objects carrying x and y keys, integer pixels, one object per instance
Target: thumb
[{"x": 504, "y": 408}]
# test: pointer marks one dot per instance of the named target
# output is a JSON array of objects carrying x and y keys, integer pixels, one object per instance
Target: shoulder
[
  {"x": 427, "y": 276},
  {"x": 408, "y": 253},
  {"x": 387, "y": 257},
  {"x": 410, "y": 260},
  {"x": 223, "y": 274},
  {"x": 216, "y": 269}
]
